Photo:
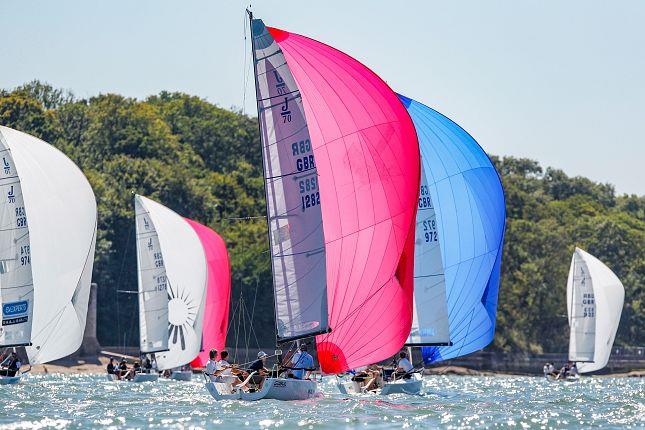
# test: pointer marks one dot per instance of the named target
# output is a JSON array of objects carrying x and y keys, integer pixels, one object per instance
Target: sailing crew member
[
  {"x": 111, "y": 367},
  {"x": 564, "y": 371},
  {"x": 122, "y": 370},
  {"x": 230, "y": 373},
  {"x": 212, "y": 366},
  {"x": 147, "y": 365},
  {"x": 153, "y": 364},
  {"x": 301, "y": 363},
  {"x": 10, "y": 365},
  {"x": 259, "y": 365},
  {"x": 549, "y": 369},
  {"x": 573, "y": 371},
  {"x": 403, "y": 366}
]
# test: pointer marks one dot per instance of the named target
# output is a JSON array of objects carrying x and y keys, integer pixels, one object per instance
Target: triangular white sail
[
  {"x": 152, "y": 281},
  {"x": 178, "y": 318},
  {"x": 430, "y": 311},
  {"x": 595, "y": 299},
  {"x": 293, "y": 196},
  {"x": 60, "y": 215},
  {"x": 16, "y": 282}
]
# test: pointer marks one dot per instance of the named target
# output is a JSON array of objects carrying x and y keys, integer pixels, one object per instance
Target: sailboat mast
[{"x": 266, "y": 200}]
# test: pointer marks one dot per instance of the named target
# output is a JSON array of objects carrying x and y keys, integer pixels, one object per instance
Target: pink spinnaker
[
  {"x": 218, "y": 292},
  {"x": 367, "y": 155}
]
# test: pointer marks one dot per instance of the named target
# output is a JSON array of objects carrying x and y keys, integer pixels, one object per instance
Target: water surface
[{"x": 88, "y": 401}]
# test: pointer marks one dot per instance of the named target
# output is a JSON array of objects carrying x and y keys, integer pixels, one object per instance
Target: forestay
[
  {"x": 364, "y": 148},
  {"x": 60, "y": 212},
  {"x": 606, "y": 305},
  {"x": 182, "y": 255},
  {"x": 292, "y": 195},
  {"x": 469, "y": 206}
]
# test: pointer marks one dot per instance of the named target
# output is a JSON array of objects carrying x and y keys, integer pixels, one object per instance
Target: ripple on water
[{"x": 88, "y": 401}]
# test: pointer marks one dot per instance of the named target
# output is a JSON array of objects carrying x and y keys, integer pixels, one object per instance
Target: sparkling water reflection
[{"x": 88, "y": 401}]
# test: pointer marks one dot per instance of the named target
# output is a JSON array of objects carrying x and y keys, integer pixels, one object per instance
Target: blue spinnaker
[{"x": 470, "y": 211}]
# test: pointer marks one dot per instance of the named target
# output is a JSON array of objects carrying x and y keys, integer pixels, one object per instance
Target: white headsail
[
  {"x": 595, "y": 299},
  {"x": 172, "y": 284},
  {"x": 430, "y": 311},
  {"x": 45, "y": 286}
]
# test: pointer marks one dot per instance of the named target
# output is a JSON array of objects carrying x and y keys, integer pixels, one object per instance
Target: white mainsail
[
  {"x": 16, "y": 282},
  {"x": 172, "y": 284},
  {"x": 430, "y": 312},
  {"x": 293, "y": 197},
  {"x": 55, "y": 216},
  {"x": 595, "y": 299},
  {"x": 152, "y": 282}
]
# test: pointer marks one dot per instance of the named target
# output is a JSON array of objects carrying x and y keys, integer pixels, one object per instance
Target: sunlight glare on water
[{"x": 452, "y": 402}]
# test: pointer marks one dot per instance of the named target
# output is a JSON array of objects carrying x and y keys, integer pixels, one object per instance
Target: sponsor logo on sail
[
  {"x": 14, "y": 313},
  {"x": 15, "y": 308}
]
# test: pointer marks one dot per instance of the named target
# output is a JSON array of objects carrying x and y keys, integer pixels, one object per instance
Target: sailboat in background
[
  {"x": 595, "y": 298},
  {"x": 218, "y": 292},
  {"x": 341, "y": 168},
  {"x": 172, "y": 279},
  {"x": 47, "y": 240},
  {"x": 459, "y": 238}
]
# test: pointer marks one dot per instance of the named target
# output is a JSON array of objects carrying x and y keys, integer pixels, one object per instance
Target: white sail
[
  {"x": 581, "y": 304},
  {"x": 293, "y": 197},
  {"x": 182, "y": 255},
  {"x": 152, "y": 282},
  {"x": 430, "y": 312},
  {"x": 60, "y": 211},
  {"x": 16, "y": 282},
  {"x": 603, "y": 305}
]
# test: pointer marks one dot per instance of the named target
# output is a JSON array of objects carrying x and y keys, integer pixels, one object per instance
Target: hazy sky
[{"x": 559, "y": 81}]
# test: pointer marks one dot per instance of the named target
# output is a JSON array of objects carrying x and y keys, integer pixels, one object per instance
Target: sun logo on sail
[{"x": 182, "y": 313}]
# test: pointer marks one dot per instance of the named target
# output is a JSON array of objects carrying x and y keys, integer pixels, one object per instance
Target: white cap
[{"x": 262, "y": 354}]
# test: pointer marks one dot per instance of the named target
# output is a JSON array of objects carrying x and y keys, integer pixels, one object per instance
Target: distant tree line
[{"x": 204, "y": 162}]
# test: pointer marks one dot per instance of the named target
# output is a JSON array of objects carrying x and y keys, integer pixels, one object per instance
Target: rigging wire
[{"x": 118, "y": 282}]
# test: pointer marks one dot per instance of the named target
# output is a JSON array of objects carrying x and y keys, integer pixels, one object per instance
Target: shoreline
[{"x": 97, "y": 365}]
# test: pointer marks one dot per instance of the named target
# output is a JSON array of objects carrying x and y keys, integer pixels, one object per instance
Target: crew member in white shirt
[{"x": 403, "y": 366}]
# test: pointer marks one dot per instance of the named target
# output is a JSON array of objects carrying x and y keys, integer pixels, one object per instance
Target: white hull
[
  {"x": 139, "y": 377},
  {"x": 7, "y": 380},
  {"x": 552, "y": 378},
  {"x": 401, "y": 386},
  {"x": 273, "y": 388},
  {"x": 182, "y": 375}
]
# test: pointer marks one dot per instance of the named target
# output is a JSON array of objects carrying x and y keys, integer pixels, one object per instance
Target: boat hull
[
  {"x": 139, "y": 377},
  {"x": 8, "y": 380},
  {"x": 552, "y": 378},
  {"x": 402, "y": 386},
  {"x": 273, "y": 388},
  {"x": 182, "y": 375}
]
